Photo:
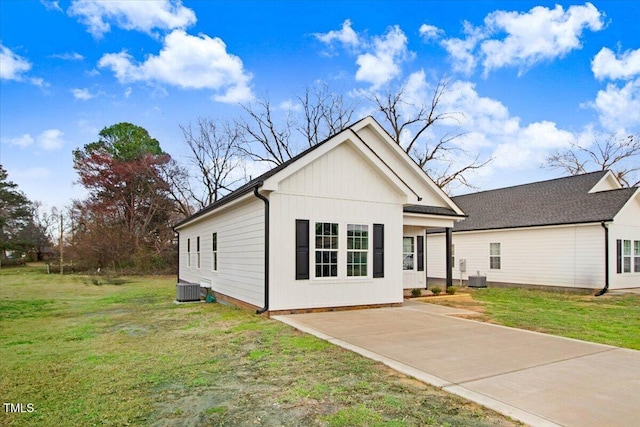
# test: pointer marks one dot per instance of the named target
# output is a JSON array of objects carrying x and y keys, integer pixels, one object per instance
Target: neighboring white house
[
  {"x": 578, "y": 232},
  {"x": 342, "y": 224}
]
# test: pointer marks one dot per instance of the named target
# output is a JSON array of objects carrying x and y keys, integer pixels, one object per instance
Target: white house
[
  {"x": 577, "y": 232},
  {"x": 342, "y": 224}
]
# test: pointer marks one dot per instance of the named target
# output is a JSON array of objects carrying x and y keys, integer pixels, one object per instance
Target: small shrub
[
  {"x": 451, "y": 290},
  {"x": 416, "y": 292},
  {"x": 436, "y": 290}
]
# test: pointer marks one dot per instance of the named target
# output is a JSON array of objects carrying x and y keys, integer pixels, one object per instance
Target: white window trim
[
  {"x": 214, "y": 252},
  {"x": 189, "y": 252},
  {"x": 342, "y": 251},
  {"x": 498, "y": 256},
  {"x": 636, "y": 256},
  {"x": 198, "y": 260},
  {"x": 627, "y": 256},
  {"x": 413, "y": 253},
  {"x": 365, "y": 251}
]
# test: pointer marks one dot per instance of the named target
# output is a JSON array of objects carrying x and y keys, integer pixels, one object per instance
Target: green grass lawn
[
  {"x": 610, "y": 319},
  {"x": 119, "y": 352}
]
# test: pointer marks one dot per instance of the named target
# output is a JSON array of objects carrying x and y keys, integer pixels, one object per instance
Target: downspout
[
  {"x": 266, "y": 248},
  {"x": 606, "y": 260},
  {"x": 178, "y": 263}
]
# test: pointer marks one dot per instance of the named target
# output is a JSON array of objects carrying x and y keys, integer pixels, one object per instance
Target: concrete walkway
[{"x": 539, "y": 379}]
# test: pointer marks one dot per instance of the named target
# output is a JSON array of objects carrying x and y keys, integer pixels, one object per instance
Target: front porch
[{"x": 416, "y": 221}]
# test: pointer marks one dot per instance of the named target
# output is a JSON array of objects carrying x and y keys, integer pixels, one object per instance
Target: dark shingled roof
[{"x": 554, "y": 202}]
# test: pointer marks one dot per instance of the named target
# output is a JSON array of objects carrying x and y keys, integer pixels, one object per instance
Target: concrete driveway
[{"x": 539, "y": 379}]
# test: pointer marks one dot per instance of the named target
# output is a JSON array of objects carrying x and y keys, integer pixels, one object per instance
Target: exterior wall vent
[{"x": 188, "y": 292}]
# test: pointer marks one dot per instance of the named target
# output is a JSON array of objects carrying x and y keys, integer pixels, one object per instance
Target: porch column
[{"x": 449, "y": 262}]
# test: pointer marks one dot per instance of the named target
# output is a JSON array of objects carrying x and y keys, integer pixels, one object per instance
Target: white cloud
[
  {"x": 462, "y": 50},
  {"x": 381, "y": 64},
  {"x": 618, "y": 107},
  {"x": 127, "y": 92},
  {"x": 607, "y": 64},
  {"x": 143, "y": 16},
  {"x": 24, "y": 140},
  {"x": 429, "y": 32},
  {"x": 512, "y": 39},
  {"x": 12, "y": 66},
  {"x": 51, "y": 139},
  {"x": 68, "y": 56},
  {"x": 83, "y": 94},
  {"x": 51, "y": 5},
  {"x": 190, "y": 62},
  {"x": 345, "y": 35},
  {"x": 290, "y": 105}
]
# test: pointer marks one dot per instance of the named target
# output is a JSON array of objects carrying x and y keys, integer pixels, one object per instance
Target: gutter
[
  {"x": 606, "y": 260},
  {"x": 266, "y": 248}
]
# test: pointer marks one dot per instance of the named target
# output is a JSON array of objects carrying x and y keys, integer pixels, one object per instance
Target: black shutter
[
  {"x": 378, "y": 250},
  {"x": 302, "y": 249},
  {"x": 619, "y": 256},
  {"x": 420, "y": 244}
]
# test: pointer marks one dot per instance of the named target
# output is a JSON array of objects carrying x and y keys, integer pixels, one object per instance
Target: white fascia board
[
  {"x": 429, "y": 221},
  {"x": 608, "y": 176},
  {"x": 222, "y": 208},
  {"x": 383, "y": 134}
]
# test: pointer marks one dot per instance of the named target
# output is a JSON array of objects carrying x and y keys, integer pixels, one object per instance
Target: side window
[
  {"x": 408, "y": 248},
  {"x": 326, "y": 234},
  {"x": 494, "y": 256},
  {"x": 188, "y": 252},
  {"x": 198, "y": 251},
  {"x": 636, "y": 256},
  {"x": 626, "y": 256},
  {"x": 214, "y": 251},
  {"x": 357, "y": 249}
]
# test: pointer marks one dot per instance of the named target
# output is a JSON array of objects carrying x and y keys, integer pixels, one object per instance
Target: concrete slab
[{"x": 536, "y": 378}]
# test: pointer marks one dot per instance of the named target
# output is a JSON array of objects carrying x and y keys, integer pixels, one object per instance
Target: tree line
[{"x": 137, "y": 191}]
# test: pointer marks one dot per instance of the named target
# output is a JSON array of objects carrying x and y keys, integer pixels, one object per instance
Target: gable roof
[
  {"x": 255, "y": 183},
  {"x": 555, "y": 202}
]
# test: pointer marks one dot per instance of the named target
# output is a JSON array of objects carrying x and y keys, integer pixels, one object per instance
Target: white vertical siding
[
  {"x": 338, "y": 187},
  {"x": 240, "y": 251},
  {"x": 626, "y": 226},
  {"x": 570, "y": 256}
]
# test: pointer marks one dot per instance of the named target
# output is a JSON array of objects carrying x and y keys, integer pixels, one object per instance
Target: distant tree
[
  {"x": 126, "y": 219},
  {"x": 409, "y": 124},
  {"x": 620, "y": 154},
  {"x": 37, "y": 235},
  {"x": 15, "y": 215}
]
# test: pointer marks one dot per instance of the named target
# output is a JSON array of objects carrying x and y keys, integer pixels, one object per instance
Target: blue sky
[{"x": 527, "y": 78}]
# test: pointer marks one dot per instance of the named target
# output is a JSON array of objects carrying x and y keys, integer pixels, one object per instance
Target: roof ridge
[{"x": 603, "y": 172}]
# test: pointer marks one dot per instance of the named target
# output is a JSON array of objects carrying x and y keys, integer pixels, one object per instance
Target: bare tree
[
  {"x": 269, "y": 136},
  {"x": 216, "y": 154},
  {"x": 435, "y": 157},
  {"x": 619, "y": 154},
  {"x": 264, "y": 139},
  {"x": 324, "y": 113}
]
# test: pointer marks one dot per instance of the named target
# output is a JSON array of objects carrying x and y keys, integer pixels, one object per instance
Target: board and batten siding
[
  {"x": 626, "y": 226},
  {"x": 569, "y": 256},
  {"x": 240, "y": 234},
  {"x": 338, "y": 187}
]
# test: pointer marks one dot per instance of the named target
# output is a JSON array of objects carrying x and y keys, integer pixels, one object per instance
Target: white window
[
  {"x": 357, "y": 249},
  {"x": 636, "y": 256},
  {"x": 214, "y": 251},
  {"x": 198, "y": 251},
  {"x": 494, "y": 256},
  {"x": 408, "y": 249},
  {"x": 326, "y": 234},
  {"x": 626, "y": 256},
  {"x": 188, "y": 252}
]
